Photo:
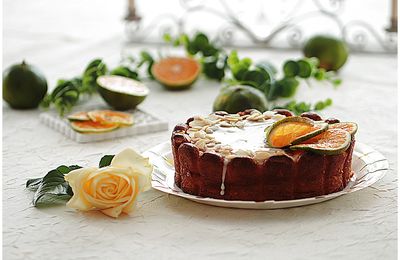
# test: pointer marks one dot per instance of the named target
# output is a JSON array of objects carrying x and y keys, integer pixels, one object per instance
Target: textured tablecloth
[{"x": 361, "y": 225}]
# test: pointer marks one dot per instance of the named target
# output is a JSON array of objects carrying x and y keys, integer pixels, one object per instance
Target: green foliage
[
  {"x": 93, "y": 70},
  {"x": 65, "y": 95},
  {"x": 212, "y": 58},
  {"x": 105, "y": 160},
  {"x": 125, "y": 71},
  {"x": 302, "y": 107},
  {"x": 67, "y": 92},
  {"x": 52, "y": 189}
]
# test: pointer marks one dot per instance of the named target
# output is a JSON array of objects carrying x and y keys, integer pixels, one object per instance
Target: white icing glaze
[
  {"x": 224, "y": 168},
  {"x": 251, "y": 137}
]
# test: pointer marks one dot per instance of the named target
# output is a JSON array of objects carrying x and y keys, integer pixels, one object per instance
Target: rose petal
[
  {"x": 128, "y": 158},
  {"x": 76, "y": 179},
  {"x": 126, "y": 207}
]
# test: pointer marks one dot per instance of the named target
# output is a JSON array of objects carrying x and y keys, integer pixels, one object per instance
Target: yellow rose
[{"x": 112, "y": 189}]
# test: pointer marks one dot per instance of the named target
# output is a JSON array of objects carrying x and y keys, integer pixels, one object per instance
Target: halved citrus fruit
[
  {"x": 330, "y": 142},
  {"x": 350, "y": 127},
  {"x": 78, "y": 116},
  {"x": 109, "y": 116},
  {"x": 293, "y": 130},
  {"x": 120, "y": 92},
  {"x": 93, "y": 127},
  {"x": 176, "y": 72}
]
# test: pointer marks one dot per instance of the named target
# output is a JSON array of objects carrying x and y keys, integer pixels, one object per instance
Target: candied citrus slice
[
  {"x": 93, "y": 127},
  {"x": 330, "y": 142},
  {"x": 350, "y": 127},
  {"x": 293, "y": 130},
  {"x": 79, "y": 116},
  {"x": 109, "y": 116}
]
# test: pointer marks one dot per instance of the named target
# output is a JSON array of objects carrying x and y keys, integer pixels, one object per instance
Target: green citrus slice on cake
[
  {"x": 293, "y": 130},
  {"x": 350, "y": 127},
  {"x": 330, "y": 142},
  {"x": 176, "y": 72}
]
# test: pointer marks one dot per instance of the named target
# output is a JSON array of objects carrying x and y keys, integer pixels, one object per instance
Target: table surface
[{"x": 360, "y": 225}]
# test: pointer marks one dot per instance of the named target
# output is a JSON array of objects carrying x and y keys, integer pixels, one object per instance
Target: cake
[{"x": 230, "y": 157}]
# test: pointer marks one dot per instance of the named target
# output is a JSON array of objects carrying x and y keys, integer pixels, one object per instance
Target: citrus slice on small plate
[
  {"x": 293, "y": 130},
  {"x": 78, "y": 116},
  {"x": 109, "y": 116},
  {"x": 93, "y": 127}
]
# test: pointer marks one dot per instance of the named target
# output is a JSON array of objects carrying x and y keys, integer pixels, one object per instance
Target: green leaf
[
  {"x": 320, "y": 105},
  {"x": 93, "y": 70},
  {"x": 125, "y": 72},
  {"x": 200, "y": 41},
  {"x": 212, "y": 71},
  {"x": 33, "y": 184},
  {"x": 52, "y": 189},
  {"x": 256, "y": 78},
  {"x": 167, "y": 37},
  {"x": 290, "y": 68},
  {"x": 305, "y": 68},
  {"x": 320, "y": 74},
  {"x": 105, "y": 160},
  {"x": 336, "y": 82}
]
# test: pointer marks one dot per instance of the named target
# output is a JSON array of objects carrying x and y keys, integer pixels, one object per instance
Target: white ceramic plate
[{"x": 368, "y": 165}]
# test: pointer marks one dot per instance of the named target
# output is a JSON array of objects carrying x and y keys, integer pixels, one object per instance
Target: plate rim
[{"x": 274, "y": 204}]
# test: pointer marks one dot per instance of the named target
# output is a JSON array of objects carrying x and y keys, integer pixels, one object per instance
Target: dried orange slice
[
  {"x": 79, "y": 116},
  {"x": 350, "y": 127},
  {"x": 109, "y": 116},
  {"x": 330, "y": 142},
  {"x": 93, "y": 127},
  {"x": 293, "y": 130}
]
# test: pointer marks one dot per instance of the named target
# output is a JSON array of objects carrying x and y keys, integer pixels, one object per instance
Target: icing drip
[{"x": 223, "y": 176}]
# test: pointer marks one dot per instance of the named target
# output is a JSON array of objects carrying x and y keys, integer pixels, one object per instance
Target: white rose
[{"x": 112, "y": 189}]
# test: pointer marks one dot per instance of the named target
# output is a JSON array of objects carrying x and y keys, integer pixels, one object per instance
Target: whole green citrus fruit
[
  {"x": 24, "y": 86},
  {"x": 331, "y": 52},
  {"x": 234, "y": 99}
]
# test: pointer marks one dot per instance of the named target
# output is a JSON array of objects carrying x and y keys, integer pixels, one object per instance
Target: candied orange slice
[
  {"x": 78, "y": 116},
  {"x": 109, "y": 116},
  {"x": 350, "y": 127},
  {"x": 93, "y": 127},
  {"x": 330, "y": 142},
  {"x": 293, "y": 130}
]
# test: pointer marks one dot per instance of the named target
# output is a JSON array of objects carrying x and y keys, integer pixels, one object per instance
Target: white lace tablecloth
[{"x": 357, "y": 226}]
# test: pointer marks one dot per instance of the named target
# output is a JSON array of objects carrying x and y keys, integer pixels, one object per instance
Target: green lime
[
  {"x": 24, "y": 86},
  {"x": 331, "y": 52},
  {"x": 120, "y": 92},
  {"x": 234, "y": 99}
]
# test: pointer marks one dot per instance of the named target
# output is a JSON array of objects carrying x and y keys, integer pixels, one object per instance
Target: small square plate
[{"x": 143, "y": 123}]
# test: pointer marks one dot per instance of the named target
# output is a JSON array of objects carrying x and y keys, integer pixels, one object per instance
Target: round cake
[{"x": 236, "y": 156}]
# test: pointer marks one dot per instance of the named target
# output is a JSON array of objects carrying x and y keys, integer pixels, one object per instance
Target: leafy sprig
[
  {"x": 68, "y": 92},
  {"x": 219, "y": 65}
]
